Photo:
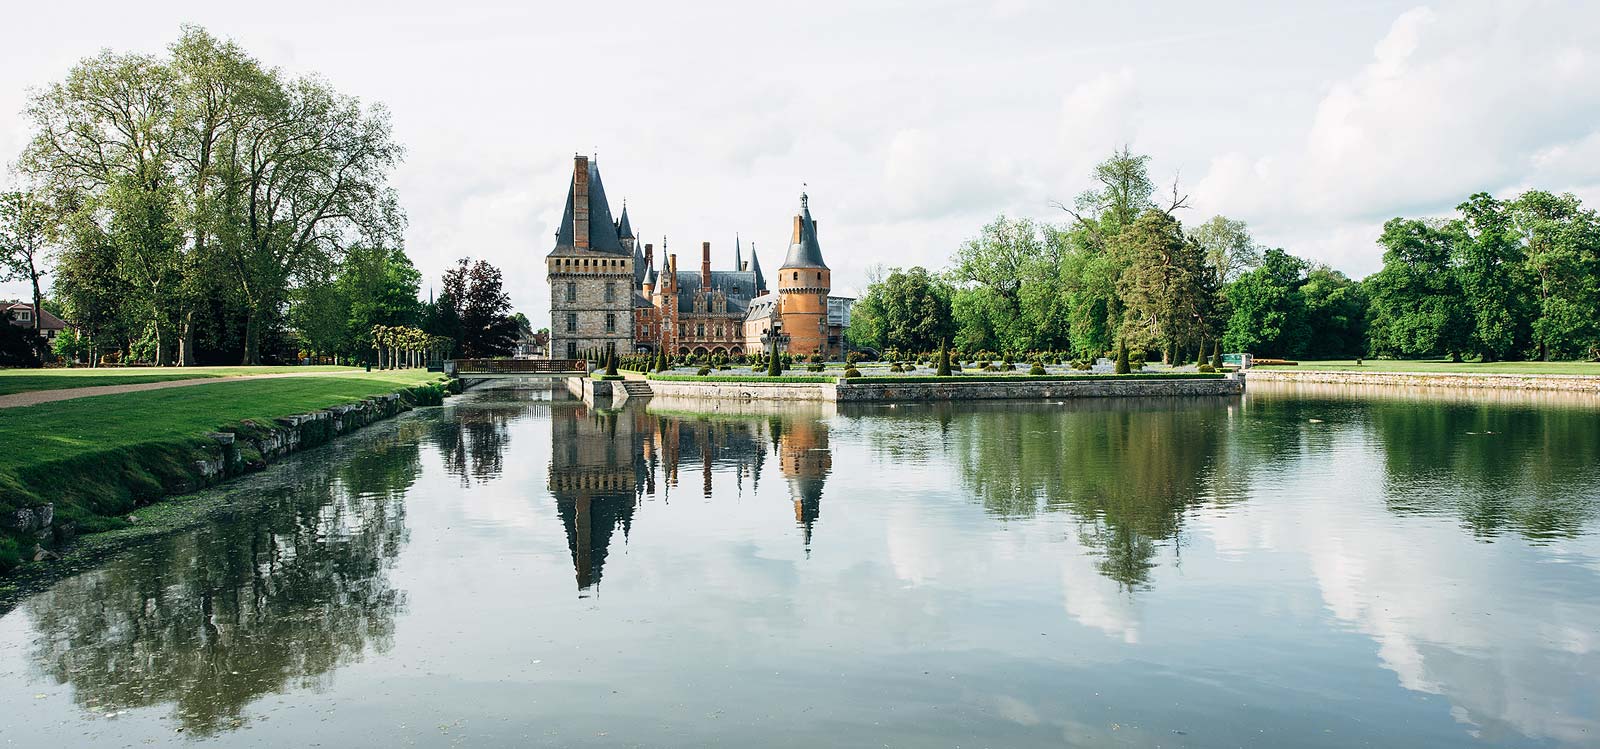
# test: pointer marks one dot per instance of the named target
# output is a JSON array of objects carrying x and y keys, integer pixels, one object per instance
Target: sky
[{"x": 910, "y": 124}]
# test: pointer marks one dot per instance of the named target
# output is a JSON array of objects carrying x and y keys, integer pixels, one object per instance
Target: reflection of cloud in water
[
  {"x": 1449, "y": 618},
  {"x": 1094, "y": 600}
]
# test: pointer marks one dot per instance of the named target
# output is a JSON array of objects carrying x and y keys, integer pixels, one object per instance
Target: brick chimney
[
  {"x": 672, "y": 270},
  {"x": 580, "y": 202},
  {"x": 795, "y": 237},
  {"x": 649, "y": 256},
  {"x": 705, "y": 265}
]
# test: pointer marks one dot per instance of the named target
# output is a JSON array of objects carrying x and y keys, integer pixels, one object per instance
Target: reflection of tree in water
[
  {"x": 473, "y": 440},
  {"x": 1533, "y": 471},
  {"x": 1127, "y": 471},
  {"x": 276, "y": 596}
]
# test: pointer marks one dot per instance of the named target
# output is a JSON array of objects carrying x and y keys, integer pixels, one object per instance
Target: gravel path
[{"x": 35, "y": 397}]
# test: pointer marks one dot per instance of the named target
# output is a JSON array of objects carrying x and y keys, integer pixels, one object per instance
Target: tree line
[
  {"x": 1503, "y": 279},
  {"x": 200, "y": 207}
]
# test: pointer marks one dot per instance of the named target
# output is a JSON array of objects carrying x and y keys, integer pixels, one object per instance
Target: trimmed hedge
[{"x": 798, "y": 379}]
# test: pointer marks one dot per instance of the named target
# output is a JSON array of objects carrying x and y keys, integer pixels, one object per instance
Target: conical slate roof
[
  {"x": 755, "y": 267},
  {"x": 804, "y": 252},
  {"x": 624, "y": 229},
  {"x": 602, "y": 230}
]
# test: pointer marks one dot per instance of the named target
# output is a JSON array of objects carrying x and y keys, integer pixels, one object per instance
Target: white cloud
[{"x": 1313, "y": 123}]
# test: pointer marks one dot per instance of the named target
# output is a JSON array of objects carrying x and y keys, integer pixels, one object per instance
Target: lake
[{"x": 1303, "y": 566}]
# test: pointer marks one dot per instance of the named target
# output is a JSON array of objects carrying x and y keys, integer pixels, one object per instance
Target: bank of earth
[{"x": 82, "y": 465}]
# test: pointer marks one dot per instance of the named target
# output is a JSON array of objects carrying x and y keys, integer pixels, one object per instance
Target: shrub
[
  {"x": 1207, "y": 369},
  {"x": 757, "y": 367},
  {"x": 896, "y": 368},
  {"x": 814, "y": 367},
  {"x": 1123, "y": 366},
  {"x": 852, "y": 372},
  {"x": 704, "y": 371},
  {"x": 1036, "y": 369},
  {"x": 853, "y": 358}
]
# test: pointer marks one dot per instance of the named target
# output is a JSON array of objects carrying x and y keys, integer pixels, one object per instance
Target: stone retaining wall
[
  {"x": 1573, "y": 383},
  {"x": 796, "y": 391},
  {"x": 1036, "y": 389},
  {"x": 229, "y": 454},
  {"x": 864, "y": 390}
]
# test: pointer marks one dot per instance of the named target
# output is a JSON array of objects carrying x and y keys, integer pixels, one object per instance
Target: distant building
[
  {"x": 607, "y": 291},
  {"x": 21, "y": 315}
]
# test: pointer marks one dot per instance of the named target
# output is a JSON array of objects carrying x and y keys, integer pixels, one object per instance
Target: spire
[
  {"x": 738, "y": 259},
  {"x": 755, "y": 266},
  {"x": 804, "y": 252},
  {"x": 624, "y": 229}
]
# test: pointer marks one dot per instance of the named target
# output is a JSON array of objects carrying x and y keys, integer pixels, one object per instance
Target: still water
[{"x": 1301, "y": 567}]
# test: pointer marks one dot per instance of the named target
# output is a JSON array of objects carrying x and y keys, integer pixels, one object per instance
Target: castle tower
[
  {"x": 591, "y": 272},
  {"x": 803, "y": 285}
]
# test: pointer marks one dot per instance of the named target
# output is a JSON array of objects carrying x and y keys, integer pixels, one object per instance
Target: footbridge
[{"x": 474, "y": 371}]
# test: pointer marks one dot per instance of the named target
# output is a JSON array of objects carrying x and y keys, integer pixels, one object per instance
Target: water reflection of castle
[{"x": 604, "y": 463}]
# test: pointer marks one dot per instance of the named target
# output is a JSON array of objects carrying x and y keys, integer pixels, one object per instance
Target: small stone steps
[{"x": 637, "y": 388}]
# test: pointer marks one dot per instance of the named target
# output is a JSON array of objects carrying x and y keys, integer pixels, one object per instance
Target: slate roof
[
  {"x": 602, "y": 229},
  {"x": 725, "y": 281},
  {"x": 755, "y": 267},
  {"x": 805, "y": 252}
]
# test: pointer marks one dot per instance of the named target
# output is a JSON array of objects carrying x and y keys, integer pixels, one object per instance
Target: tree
[
  {"x": 1267, "y": 309},
  {"x": 1168, "y": 290},
  {"x": 1229, "y": 249},
  {"x": 1335, "y": 315},
  {"x": 25, "y": 226},
  {"x": 381, "y": 286},
  {"x": 1416, "y": 298},
  {"x": 1561, "y": 241},
  {"x": 474, "y": 295},
  {"x": 911, "y": 310},
  {"x": 1495, "y": 284}
]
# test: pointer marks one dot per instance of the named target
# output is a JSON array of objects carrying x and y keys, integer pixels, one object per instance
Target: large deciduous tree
[
  {"x": 474, "y": 298},
  {"x": 1416, "y": 298}
]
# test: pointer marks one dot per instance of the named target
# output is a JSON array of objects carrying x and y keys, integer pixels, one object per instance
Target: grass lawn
[
  {"x": 1443, "y": 366},
  {"x": 98, "y": 457},
  {"x": 26, "y": 380},
  {"x": 63, "y": 429}
]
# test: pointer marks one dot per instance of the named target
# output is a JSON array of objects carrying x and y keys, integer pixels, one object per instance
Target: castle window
[
  {"x": 680, "y": 330},
  {"x": 700, "y": 331},
  {"x": 611, "y": 322},
  {"x": 572, "y": 322},
  {"x": 572, "y": 353},
  {"x": 819, "y": 275},
  {"x": 719, "y": 331},
  {"x": 797, "y": 275},
  {"x": 572, "y": 292},
  {"x": 611, "y": 291}
]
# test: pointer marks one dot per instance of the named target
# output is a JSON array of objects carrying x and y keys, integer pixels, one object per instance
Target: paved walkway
[{"x": 35, "y": 397}]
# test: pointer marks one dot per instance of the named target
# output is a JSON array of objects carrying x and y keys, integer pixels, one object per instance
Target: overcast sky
[{"x": 912, "y": 124}]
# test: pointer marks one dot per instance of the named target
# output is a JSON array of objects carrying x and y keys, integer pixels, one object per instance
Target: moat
[{"x": 1300, "y": 566}]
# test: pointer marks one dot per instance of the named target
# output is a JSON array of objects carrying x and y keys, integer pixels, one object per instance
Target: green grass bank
[{"x": 92, "y": 460}]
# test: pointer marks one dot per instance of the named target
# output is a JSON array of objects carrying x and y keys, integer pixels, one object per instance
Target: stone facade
[{"x": 591, "y": 272}]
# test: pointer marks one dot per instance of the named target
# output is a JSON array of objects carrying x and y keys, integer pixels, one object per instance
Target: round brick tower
[{"x": 803, "y": 285}]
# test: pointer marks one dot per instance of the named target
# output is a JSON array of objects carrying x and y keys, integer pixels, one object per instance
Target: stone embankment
[
  {"x": 249, "y": 446},
  {"x": 1570, "y": 383},
  {"x": 864, "y": 390}
]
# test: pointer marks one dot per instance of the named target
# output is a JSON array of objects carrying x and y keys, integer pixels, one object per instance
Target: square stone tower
[{"x": 591, "y": 273}]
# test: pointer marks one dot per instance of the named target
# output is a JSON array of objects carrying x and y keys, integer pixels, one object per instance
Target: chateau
[{"x": 607, "y": 292}]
